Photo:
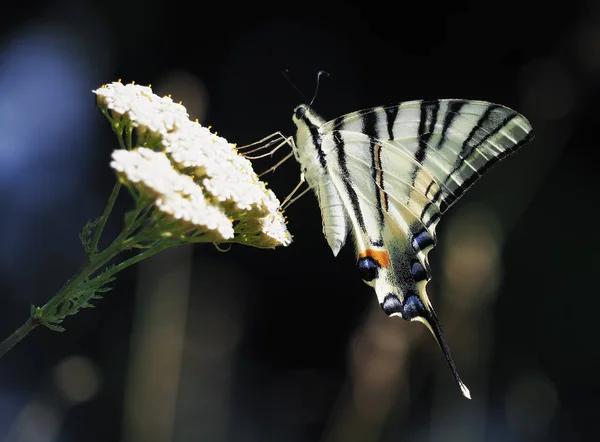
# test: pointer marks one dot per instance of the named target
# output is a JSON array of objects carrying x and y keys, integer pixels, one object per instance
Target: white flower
[
  {"x": 273, "y": 225},
  {"x": 197, "y": 181},
  {"x": 175, "y": 195},
  {"x": 147, "y": 167},
  {"x": 147, "y": 112},
  {"x": 194, "y": 146},
  {"x": 225, "y": 174},
  {"x": 239, "y": 185}
]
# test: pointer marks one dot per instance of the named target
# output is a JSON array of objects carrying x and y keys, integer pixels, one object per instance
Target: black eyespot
[
  {"x": 412, "y": 308},
  {"x": 300, "y": 112},
  {"x": 368, "y": 268}
]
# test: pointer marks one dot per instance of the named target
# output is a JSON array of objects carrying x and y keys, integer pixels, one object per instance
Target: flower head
[
  {"x": 198, "y": 183},
  {"x": 175, "y": 195},
  {"x": 218, "y": 167},
  {"x": 148, "y": 113},
  {"x": 268, "y": 231}
]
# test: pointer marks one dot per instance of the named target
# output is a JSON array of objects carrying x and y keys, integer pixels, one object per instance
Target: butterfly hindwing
[{"x": 392, "y": 245}]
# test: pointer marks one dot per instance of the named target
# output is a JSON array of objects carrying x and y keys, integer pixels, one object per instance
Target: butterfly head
[
  {"x": 300, "y": 112},
  {"x": 303, "y": 114},
  {"x": 308, "y": 136}
]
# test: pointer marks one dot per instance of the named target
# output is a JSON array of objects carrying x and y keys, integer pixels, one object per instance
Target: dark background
[{"x": 288, "y": 344}]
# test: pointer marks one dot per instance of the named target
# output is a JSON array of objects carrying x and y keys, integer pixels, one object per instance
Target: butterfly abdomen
[
  {"x": 333, "y": 214},
  {"x": 315, "y": 167}
]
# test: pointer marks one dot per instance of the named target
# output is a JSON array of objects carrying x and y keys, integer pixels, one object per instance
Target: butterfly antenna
[
  {"x": 285, "y": 73},
  {"x": 319, "y": 74}
]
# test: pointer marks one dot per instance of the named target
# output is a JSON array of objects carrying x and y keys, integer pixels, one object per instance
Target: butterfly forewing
[{"x": 456, "y": 141}]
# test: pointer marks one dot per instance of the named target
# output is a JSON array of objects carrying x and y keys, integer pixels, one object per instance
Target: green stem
[
  {"x": 121, "y": 142},
  {"x": 62, "y": 295},
  {"x": 103, "y": 258},
  {"x": 120, "y": 244},
  {"x": 140, "y": 257},
  {"x": 129, "y": 137},
  {"x": 104, "y": 219},
  {"x": 95, "y": 262},
  {"x": 17, "y": 335},
  {"x": 118, "y": 128}
]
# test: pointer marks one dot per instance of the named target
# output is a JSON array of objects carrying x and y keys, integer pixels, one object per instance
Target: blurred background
[{"x": 289, "y": 345}]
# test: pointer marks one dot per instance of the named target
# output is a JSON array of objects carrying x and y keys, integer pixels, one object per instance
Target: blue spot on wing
[
  {"x": 418, "y": 271},
  {"x": 368, "y": 268},
  {"x": 422, "y": 241},
  {"x": 413, "y": 307},
  {"x": 391, "y": 304}
]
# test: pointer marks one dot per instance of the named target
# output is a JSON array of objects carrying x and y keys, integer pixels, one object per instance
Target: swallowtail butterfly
[{"x": 387, "y": 174}]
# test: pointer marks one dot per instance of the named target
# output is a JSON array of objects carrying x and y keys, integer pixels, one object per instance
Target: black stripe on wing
[
  {"x": 391, "y": 112},
  {"x": 369, "y": 128},
  {"x": 453, "y": 110},
  {"x": 340, "y": 147},
  {"x": 487, "y": 130},
  {"x": 429, "y": 114}
]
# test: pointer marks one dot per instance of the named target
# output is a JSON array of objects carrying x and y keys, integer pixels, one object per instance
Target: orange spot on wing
[{"x": 381, "y": 256}]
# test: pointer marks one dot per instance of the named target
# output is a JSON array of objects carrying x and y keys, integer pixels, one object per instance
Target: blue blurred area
[
  {"x": 47, "y": 70},
  {"x": 288, "y": 345}
]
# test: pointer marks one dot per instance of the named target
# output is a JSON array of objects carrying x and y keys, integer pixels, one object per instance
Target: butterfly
[{"x": 387, "y": 174}]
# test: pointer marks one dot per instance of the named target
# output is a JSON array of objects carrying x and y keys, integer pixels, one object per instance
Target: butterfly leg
[
  {"x": 288, "y": 199},
  {"x": 272, "y": 139},
  {"x": 272, "y": 169}
]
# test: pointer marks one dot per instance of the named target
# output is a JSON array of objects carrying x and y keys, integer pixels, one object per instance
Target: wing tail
[{"x": 406, "y": 296}]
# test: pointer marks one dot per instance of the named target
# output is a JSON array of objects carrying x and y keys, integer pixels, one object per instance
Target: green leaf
[
  {"x": 87, "y": 234},
  {"x": 79, "y": 297},
  {"x": 102, "y": 290},
  {"x": 53, "y": 327},
  {"x": 64, "y": 308}
]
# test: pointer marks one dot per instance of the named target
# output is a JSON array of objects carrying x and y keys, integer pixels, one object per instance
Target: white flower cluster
[
  {"x": 194, "y": 177},
  {"x": 174, "y": 194},
  {"x": 221, "y": 170},
  {"x": 145, "y": 110}
]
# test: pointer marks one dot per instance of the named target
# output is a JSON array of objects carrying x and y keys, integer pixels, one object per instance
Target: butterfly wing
[
  {"x": 454, "y": 141},
  {"x": 397, "y": 169}
]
